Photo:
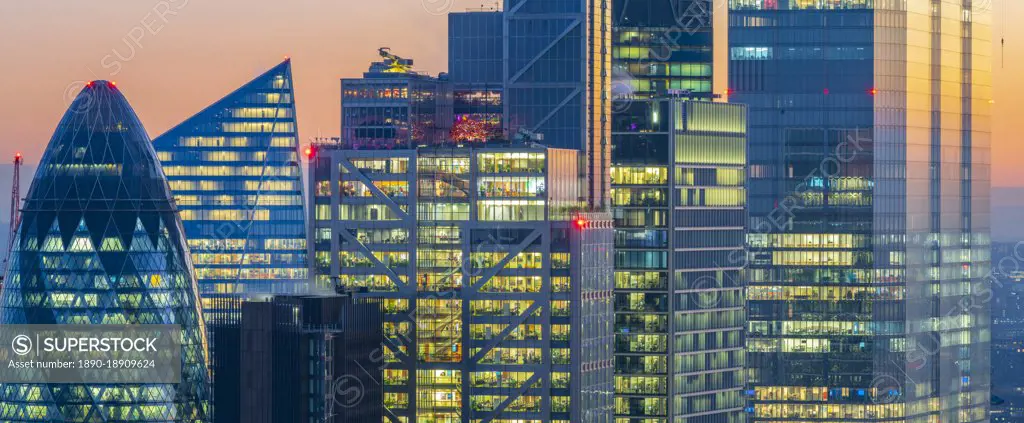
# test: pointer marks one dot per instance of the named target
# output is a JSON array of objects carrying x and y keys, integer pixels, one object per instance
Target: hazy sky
[{"x": 189, "y": 53}]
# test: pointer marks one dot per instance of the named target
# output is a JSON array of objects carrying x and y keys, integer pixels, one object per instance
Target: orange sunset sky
[{"x": 203, "y": 49}]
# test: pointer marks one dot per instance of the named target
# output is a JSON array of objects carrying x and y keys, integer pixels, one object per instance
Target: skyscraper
[
  {"x": 679, "y": 207},
  {"x": 869, "y": 179},
  {"x": 299, "y": 359},
  {"x": 663, "y": 45},
  {"x": 496, "y": 289},
  {"x": 234, "y": 172},
  {"x": 475, "y": 66},
  {"x": 100, "y": 242},
  {"x": 558, "y": 81},
  {"x": 679, "y": 202}
]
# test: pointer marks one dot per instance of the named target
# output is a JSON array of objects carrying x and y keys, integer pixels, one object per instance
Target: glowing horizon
[{"x": 171, "y": 58}]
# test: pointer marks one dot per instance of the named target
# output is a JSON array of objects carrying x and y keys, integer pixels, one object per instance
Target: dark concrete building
[{"x": 300, "y": 359}]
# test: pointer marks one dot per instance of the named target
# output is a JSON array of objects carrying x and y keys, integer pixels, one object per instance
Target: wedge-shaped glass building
[
  {"x": 234, "y": 172},
  {"x": 100, "y": 242}
]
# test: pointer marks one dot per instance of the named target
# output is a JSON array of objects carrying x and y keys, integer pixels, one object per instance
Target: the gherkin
[{"x": 100, "y": 242}]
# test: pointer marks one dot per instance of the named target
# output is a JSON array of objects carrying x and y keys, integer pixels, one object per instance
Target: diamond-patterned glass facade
[
  {"x": 100, "y": 242},
  {"x": 234, "y": 171}
]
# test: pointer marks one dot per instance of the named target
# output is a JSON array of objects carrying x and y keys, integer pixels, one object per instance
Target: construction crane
[
  {"x": 15, "y": 216},
  {"x": 395, "y": 63}
]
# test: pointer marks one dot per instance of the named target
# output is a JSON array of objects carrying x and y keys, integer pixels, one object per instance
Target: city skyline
[
  {"x": 251, "y": 40},
  {"x": 602, "y": 211}
]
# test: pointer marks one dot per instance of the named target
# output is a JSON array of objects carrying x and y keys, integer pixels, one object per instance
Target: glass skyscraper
[
  {"x": 679, "y": 207},
  {"x": 679, "y": 203},
  {"x": 869, "y": 207},
  {"x": 475, "y": 69},
  {"x": 100, "y": 242},
  {"x": 558, "y": 80},
  {"x": 497, "y": 291},
  {"x": 234, "y": 172},
  {"x": 662, "y": 45}
]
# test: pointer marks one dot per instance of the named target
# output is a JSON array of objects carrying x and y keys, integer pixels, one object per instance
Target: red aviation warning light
[
  {"x": 15, "y": 216},
  {"x": 581, "y": 223},
  {"x": 310, "y": 152}
]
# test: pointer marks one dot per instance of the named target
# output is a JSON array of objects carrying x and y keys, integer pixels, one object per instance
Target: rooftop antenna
[
  {"x": 15, "y": 216},
  {"x": 1002, "y": 39}
]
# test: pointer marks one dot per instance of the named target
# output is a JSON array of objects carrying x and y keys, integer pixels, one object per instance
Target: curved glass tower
[{"x": 100, "y": 242}]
